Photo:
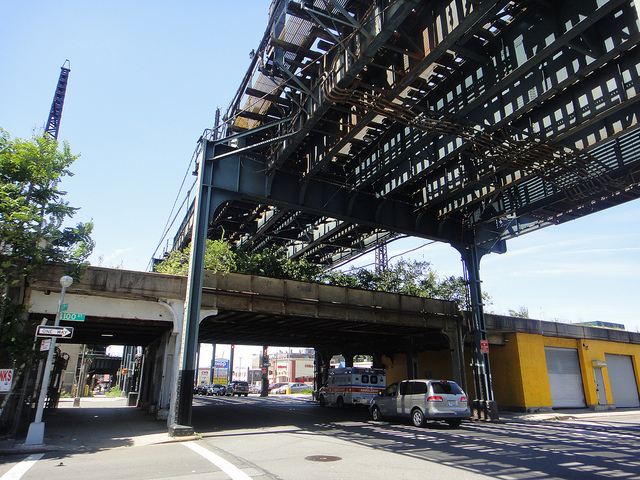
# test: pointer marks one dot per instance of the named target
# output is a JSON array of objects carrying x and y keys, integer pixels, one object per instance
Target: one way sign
[{"x": 44, "y": 331}]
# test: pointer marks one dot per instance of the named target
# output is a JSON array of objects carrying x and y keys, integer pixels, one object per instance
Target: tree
[
  {"x": 407, "y": 278},
  {"x": 218, "y": 257},
  {"x": 522, "y": 312},
  {"x": 32, "y": 214}
]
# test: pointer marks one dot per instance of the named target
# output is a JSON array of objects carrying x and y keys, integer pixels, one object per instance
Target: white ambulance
[{"x": 352, "y": 386}]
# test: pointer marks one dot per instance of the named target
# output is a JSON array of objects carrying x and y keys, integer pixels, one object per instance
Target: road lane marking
[
  {"x": 227, "y": 467},
  {"x": 21, "y": 468}
]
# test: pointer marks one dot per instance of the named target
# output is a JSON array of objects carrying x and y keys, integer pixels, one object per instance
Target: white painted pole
[{"x": 35, "y": 436}]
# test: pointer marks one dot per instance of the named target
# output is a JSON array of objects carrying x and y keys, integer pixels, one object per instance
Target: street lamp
[{"x": 35, "y": 436}]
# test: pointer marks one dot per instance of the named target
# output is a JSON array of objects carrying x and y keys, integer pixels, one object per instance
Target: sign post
[
  {"x": 35, "y": 436},
  {"x": 54, "y": 332}
]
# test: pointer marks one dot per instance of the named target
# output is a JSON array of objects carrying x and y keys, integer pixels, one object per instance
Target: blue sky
[{"x": 146, "y": 78}]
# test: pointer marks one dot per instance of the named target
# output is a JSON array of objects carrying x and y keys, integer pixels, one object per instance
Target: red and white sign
[
  {"x": 6, "y": 377},
  {"x": 45, "y": 345},
  {"x": 484, "y": 346}
]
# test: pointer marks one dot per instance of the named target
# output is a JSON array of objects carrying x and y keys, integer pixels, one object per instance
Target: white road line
[
  {"x": 234, "y": 472},
  {"x": 21, "y": 468}
]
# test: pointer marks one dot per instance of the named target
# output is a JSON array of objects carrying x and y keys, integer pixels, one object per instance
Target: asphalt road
[{"x": 290, "y": 439}]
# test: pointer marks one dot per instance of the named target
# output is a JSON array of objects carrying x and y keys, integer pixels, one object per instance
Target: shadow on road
[{"x": 506, "y": 449}]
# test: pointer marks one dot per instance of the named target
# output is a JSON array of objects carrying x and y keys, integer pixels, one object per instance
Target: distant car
[
  {"x": 200, "y": 389},
  {"x": 215, "y": 389},
  {"x": 295, "y": 388},
  {"x": 255, "y": 389},
  {"x": 422, "y": 400},
  {"x": 274, "y": 386},
  {"x": 237, "y": 388}
]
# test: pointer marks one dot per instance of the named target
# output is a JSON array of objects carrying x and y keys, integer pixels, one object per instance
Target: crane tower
[{"x": 55, "y": 114}]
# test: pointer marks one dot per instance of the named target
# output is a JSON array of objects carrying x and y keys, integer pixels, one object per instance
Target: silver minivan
[{"x": 422, "y": 400}]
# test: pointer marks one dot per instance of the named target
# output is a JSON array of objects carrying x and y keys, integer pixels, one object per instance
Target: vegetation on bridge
[{"x": 405, "y": 277}]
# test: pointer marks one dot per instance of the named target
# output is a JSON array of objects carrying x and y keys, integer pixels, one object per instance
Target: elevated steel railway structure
[{"x": 462, "y": 121}]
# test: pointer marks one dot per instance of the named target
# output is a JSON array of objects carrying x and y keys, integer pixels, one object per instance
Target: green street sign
[
  {"x": 63, "y": 307},
  {"x": 73, "y": 317}
]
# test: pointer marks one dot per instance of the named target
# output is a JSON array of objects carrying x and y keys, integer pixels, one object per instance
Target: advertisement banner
[{"x": 6, "y": 377}]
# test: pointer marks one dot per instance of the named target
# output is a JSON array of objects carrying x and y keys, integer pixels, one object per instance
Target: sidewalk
[
  {"x": 99, "y": 423},
  {"x": 582, "y": 414}
]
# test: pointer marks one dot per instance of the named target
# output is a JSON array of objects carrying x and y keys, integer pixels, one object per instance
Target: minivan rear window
[{"x": 446, "y": 388}]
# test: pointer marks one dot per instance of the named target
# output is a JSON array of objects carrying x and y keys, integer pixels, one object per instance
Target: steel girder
[{"x": 466, "y": 122}]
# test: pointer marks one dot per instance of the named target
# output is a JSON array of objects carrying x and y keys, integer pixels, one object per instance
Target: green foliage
[
  {"x": 115, "y": 392},
  {"x": 522, "y": 312},
  {"x": 32, "y": 212},
  {"x": 275, "y": 264},
  {"x": 218, "y": 257},
  {"x": 404, "y": 277}
]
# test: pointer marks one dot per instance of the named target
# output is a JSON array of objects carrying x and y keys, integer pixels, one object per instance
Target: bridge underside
[
  {"x": 242, "y": 328},
  {"x": 467, "y": 122}
]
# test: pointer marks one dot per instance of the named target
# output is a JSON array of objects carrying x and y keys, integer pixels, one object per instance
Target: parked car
[
  {"x": 295, "y": 388},
  {"x": 255, "y": 389},
  {"x": 215, "y": 389},
  {"x": 199, "y": 390},
  {"x": 274, "y": 386},
  {"x": 237, "y": 388},
  {"x": 422, "y": 400}
]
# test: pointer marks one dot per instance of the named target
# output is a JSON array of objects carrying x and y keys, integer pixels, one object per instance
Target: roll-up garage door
[
  {"x": 622, "y": 380},
  {"x": 565, "y": 378}
]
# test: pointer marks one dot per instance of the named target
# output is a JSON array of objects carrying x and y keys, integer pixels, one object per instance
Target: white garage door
[
  {"x": 565, "y": 378},
  {"x": 622, "y": 379}
]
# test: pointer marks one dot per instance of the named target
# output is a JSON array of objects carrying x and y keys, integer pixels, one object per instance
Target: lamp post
[{"x": 35, "y": 436}]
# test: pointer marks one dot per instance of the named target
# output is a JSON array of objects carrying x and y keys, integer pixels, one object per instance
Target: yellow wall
[
  {"x": 519, "y": 368},
  {"x": 431, "y": 364},
  {"x": 590, "y": 350},
  {"x": 396, "y": 367},
  {"x": 435, "y": 365}
]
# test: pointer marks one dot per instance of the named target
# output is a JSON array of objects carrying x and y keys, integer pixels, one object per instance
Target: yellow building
[{"x": 538, "y": 365}]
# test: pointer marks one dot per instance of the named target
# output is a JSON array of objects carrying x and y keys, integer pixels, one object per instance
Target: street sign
[
  {"x": 484, "y": 346},
  {"x": 73, "y": 317},
  {"x": 45, "y": 345},
  {"x": 62, "y": 332},
  {"x": 63, "y": 307}
]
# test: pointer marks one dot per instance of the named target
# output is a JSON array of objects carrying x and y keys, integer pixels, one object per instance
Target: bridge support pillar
[
  {"x": 484, "y": 407},
  {"x": 204, "y": 206},
  {"x": 456, "y": 345}
]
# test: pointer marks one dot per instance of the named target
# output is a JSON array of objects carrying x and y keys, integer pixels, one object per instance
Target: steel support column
[
  {"x": 181, "y": 424},
  {"x": 484, "y": 406}
]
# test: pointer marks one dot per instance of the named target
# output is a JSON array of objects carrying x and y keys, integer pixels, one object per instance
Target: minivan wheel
[
  {"x": 454, "y": 423},
  {"x": 417, "y": 417},
  {"x": 376, "y": 413}
]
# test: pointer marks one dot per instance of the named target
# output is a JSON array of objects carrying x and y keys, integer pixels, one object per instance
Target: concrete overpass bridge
[{"x": 146, "y": 309}]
